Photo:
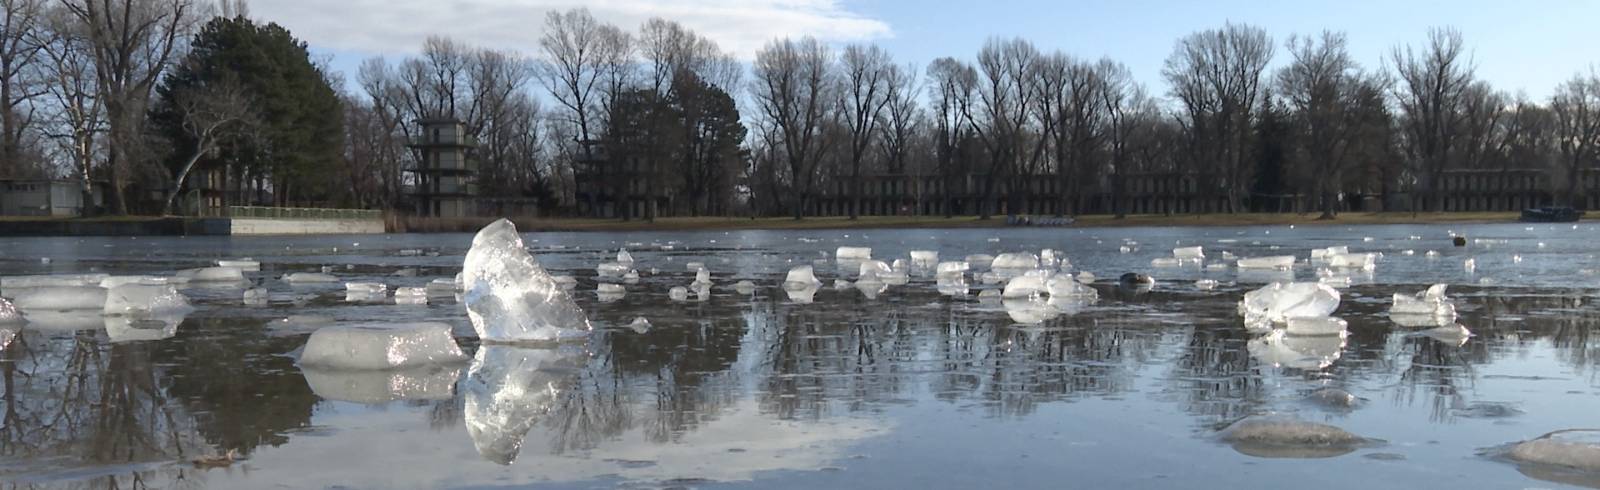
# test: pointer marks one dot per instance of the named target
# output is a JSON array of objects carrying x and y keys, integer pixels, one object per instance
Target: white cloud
[{"x": 399, "y": 26}]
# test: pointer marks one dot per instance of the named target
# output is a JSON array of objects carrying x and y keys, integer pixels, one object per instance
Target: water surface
[{"x": 911, "y": 389}]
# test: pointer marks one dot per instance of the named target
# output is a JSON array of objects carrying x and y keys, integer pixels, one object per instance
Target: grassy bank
[{"x": 426, "y": 225}]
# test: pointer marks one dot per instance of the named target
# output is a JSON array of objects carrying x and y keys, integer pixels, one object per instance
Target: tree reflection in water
[{"x": 73, "y": 400}]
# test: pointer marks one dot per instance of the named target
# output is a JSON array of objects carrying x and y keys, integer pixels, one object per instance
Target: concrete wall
[{"x": 281, "y": 226}]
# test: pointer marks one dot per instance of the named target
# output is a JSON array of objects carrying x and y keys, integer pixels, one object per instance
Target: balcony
[{"x": 466, "y": 141}]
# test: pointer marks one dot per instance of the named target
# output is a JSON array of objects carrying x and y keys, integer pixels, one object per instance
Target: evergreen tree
[{"x": 294, "y": 150}]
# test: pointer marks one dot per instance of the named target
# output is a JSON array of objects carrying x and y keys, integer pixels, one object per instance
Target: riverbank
[
  {"x": 156, "y": 226},
  {"x": 717, "y": 223}
]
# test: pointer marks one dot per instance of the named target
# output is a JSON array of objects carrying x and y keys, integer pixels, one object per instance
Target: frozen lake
[{"x": 911, "y": 389}]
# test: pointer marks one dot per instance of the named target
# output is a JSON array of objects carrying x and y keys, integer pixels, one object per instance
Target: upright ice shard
[
  {"x": 510, "y": 297},
  {"x": 924, "y": 259}
]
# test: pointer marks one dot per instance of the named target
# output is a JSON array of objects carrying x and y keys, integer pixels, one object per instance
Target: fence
[{"x": 303, "y": 213}]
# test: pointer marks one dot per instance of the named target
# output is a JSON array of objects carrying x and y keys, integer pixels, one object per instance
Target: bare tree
[
  {"x": 1217, "y": 75},
  {"x": 575, "y": 55},
  {"x": 1433, "y": 87},
  {"x": 1323, "y": 89},
  {"x": 131, "y": 42},
  {"x": 953, "y": 86},
  {"x": 862, "y": 97},
  {"x": 1576, "y": 107},
  {"x": 21, "y": 39},
  {"x": 208, "y": 113},
  {"x": 792, "y": 91},
  {"x": 902, "y": 116},
  {"x": 1130, "y": 113},
  {"x": 75, "y": 118},
  {"x": 1004, "y": 101}
]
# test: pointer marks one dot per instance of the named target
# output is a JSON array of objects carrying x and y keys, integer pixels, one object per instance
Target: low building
[{"x": 44, "y": 197}]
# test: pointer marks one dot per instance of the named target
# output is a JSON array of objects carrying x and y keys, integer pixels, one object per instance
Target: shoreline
[
  {"x": 144, "y": 225},
  {"x": 972, "y": 222}
]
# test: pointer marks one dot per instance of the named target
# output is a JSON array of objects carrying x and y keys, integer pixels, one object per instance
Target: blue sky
[{"x": 1519, "y": 46}]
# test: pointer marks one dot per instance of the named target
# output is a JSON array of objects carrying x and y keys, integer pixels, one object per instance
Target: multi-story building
[{"x": 444, "y": 179}]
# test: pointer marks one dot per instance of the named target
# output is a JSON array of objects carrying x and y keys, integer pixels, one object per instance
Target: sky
[{"x": 1519, "y": 46}]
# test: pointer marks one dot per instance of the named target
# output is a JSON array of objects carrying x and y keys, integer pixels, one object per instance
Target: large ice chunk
[
  {"x": 1322, "y": 254},
  {"x": 378, "y": 387},
  {"x": 623, "y": 257},
  {"x": 142, "y": 328},
  {"x": 55, "y": 280},
  {"x": 213, "y": 274},
  {"x": 1063, "y": 285},
  {"x": 952, "y": 269},
  {"x": 381, "y": 346},
  {"x": 1020, "y": 260},
  {"x": 309, "y": 278},
  {"x": 1310, "y": 352},
  {"x": 146, "y": 301},
  {"x": 247, "y": 265},
  {"x": 114, "y": 281},
  {"x": 1431, "y": 302},
  {"x": 1278, "y": 302},
  {"x": 60, "y": 298},
  {"x": 613, "y": 269},
  {"x": 979, "y": 261},
  {"x": 511, "y": 389},
  {"x": 924, "y": 259},
  {"x": 1028, "y": 311},
  {"x": 1353, "y": 261},
  {"x": 1320, "y": 325},
  {"x": 801, "y": 277},
  {"x": 1186, "y": 254},
  {"x": 874, "y": 269},
  {"x": 1028, "y": 286},
  {"x": 510, "y": 297},
  {"x": 853, "y": 253},
  {"x": 1275, "y": 262}
]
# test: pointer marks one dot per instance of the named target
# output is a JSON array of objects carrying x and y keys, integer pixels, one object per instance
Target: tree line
[{"x": 136, "y": 98}]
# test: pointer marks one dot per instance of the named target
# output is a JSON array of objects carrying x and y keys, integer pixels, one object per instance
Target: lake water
[{"x": 912, "y": 389}]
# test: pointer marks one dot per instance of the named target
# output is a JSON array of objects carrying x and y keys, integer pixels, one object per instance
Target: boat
[{"x": 1551, "y": 214}]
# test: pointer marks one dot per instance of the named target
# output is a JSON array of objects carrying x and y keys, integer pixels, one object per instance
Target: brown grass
[{"x": 435, "y": 225}]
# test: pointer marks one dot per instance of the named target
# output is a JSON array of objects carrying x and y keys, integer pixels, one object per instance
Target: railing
[
  {"x": 427, "y": 140},
  {"x": 302, "y": 213}
]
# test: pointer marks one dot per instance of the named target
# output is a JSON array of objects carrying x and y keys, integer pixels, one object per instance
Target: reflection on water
[{"x": 799, "y": 389}]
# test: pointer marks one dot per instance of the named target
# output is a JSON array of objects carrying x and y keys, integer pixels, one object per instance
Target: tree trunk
[{"x": 177, "y": 183}]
